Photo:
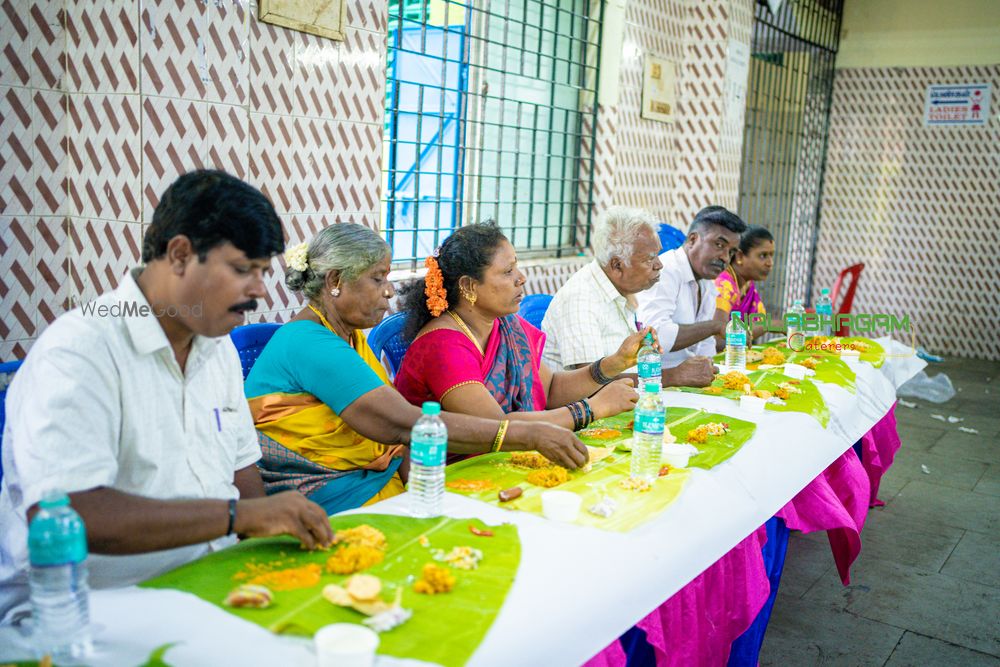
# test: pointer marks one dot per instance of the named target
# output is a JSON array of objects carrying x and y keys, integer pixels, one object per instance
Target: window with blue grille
[{"x": 485, "y": 105}]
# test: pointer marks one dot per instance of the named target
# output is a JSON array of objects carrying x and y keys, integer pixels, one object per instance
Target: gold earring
[{"x": 469, "y": 295}]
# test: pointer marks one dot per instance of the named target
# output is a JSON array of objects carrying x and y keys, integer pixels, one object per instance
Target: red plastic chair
[{"x": 854, "y": 272}]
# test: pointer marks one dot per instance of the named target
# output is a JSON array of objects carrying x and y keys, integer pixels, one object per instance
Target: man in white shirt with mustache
[{"x": 681, "y": 305}]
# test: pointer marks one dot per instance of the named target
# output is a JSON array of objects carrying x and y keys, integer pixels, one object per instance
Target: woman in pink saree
[
  {"x": 752, "y": 262},
  {"x": 472, "y": 353}
]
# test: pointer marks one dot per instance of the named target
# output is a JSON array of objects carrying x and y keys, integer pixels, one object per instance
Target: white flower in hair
[{"x": 298, "y": 257}]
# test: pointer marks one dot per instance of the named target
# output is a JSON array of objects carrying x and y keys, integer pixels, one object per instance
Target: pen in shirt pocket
[{"x": 218, "y": 419}]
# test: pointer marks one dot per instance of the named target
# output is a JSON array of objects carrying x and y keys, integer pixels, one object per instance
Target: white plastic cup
[
  {"x": 795, "y": 371},
  {"x": 677, "y": 455},
  {"x": 561, "y": 505},
  {"x": 752, "y": 404},
  {"x": 345, "y": 645}
]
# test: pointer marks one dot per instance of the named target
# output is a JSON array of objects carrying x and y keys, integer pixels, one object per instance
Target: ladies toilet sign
[{"x": 961, "y": 104}]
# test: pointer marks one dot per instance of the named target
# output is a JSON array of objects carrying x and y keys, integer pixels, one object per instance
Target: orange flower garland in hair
[{"x": 437, "y": 296}]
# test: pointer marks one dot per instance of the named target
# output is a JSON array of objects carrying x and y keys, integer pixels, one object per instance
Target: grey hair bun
[{"x": 296, "y": 280}]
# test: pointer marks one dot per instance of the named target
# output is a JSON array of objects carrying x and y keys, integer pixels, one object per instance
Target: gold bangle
[{"x": 501, "y": 433}]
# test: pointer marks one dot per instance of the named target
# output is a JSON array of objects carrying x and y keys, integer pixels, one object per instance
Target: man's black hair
[
  {"x": 716, "y": 215},
  {"x": 211, "y": 207}
]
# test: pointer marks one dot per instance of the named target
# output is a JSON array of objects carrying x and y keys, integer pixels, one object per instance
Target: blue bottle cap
[
  {"x": 54, "y": 499},
  {"x": 431, "y": 408},
  {"x": 56, "y": 535}
]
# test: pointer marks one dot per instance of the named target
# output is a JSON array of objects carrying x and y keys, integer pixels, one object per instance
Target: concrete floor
[{"x": 926, "y": 588}]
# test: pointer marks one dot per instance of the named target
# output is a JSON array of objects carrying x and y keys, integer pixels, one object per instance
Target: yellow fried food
[
  {"x": 762, "y": 393},
  {"x": 809, "y": 363},
  {"x": 434, "y": 579},
  {"x": 736, "y": 380},
  {"x": 700, "y": 434},
  {"x": 529, "y": 460},
  {"x": 351, "y": 559},
  {"x": 470, "y": 485},
  {"x": 773, "y": 356},
  {"x": 697, "y": 435},
  {"x": 361, "y": 536},
  {"x": 363, "y": 587},
  {"x": 786, "y": 389},
  {"x": 548, "y": 477}
]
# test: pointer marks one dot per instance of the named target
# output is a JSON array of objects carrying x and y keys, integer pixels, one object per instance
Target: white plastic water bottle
[
  {"x": 795, "y": 323},
  {"x": 649, "y": 362},
  {"x": 736, "y": 343},
  {"x": 428, "y": 446},
  {"x": 57, "y": 551},
  {"x": 824, "y": 309},
  {"x": 647, "y": 434}
]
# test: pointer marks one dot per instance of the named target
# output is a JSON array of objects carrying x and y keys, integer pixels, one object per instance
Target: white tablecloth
[{"x": 561, "y": 610}]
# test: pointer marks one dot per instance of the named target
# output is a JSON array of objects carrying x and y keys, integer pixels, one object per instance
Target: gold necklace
[
  {"x": 465, "y": 329},
  {"x": 328, "y": 325}
]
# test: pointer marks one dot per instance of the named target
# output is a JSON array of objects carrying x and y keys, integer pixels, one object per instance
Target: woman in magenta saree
[
  {"x": 472, "y": 353},
  {"x": 752, "y": 262}
]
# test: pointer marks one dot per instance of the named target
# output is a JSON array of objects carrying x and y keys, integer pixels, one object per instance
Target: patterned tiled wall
[
  {"x": 674, "y": 169},
  {"x": 918, "y": 205},
  {"x": 105, "y": 103}
]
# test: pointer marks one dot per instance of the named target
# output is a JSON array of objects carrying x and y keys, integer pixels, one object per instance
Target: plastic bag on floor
[{"x": 937, "y": 389}]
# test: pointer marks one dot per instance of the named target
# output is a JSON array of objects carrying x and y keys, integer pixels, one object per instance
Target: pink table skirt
[
  {"x": 879, "y": 447},
  {"x": 837, "y": 502},
  {"x": 698, "y": 624}
]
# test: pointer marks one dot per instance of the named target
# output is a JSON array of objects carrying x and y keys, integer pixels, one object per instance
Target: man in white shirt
[
  {"x": 595, "y": 310},
  {"x": 133, "y": 404},
  {"x": 681, "y": 305}
]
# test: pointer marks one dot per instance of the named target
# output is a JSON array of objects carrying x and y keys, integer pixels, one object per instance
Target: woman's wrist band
[
  {"x": 596, "y": 373},
  {"x": 582, "y": 414},
  {"x": 501, "y": 434},
  {"x": 232, "y": 517}
]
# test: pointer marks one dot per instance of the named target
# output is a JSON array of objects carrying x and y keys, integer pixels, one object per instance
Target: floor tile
[
  {"x": 990, "y": 481},
  {"x": 916, "y": 650},
  {"x": 934, "y": 503},
  {"x": 801, "y": 633},
  {"x": 805, "y": 562},
  {"x": 974, "y": 447},
  {"x": 976, "y": 558},
  {"x": 901, "y": 539},
  {"x": 933, "y": 604},
  {"x": 950, "y": 471}
]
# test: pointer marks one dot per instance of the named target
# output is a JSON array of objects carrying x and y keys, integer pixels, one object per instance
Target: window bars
[
  {"x": 784, "y": 146},
  {"x": 484, "y": 120}
]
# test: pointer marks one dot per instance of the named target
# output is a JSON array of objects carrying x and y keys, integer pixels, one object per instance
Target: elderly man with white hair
[{"x": 595, "y": 310}]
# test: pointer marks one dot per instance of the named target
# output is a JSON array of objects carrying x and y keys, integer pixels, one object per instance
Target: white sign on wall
[
  {"x": 958, "y": 104},
  {"x": 737, "y": 73}
]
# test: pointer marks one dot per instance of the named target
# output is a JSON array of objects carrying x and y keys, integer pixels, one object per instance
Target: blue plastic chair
[
  {"x": 533, "y": 308},
  {"x": 671, "y": 237},
  {"x": 249, "y": 340},
  {"x": 7, "y": 370},
  {"x": 387, "y": 338}
]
